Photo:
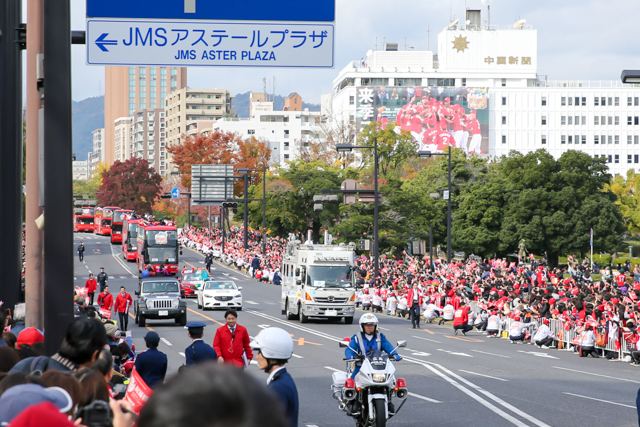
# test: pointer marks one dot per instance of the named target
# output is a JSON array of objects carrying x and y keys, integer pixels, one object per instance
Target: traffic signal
[{"x": 232, "y": 205}]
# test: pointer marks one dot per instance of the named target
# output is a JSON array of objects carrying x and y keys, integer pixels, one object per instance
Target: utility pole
[
  {"x": 34, "y": 285},
  {"x": 11, "y": 151},
  {"x": 58, "y": 198}
]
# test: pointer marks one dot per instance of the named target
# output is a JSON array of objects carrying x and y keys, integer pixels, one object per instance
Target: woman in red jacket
[{"x": 231, "y": 342}]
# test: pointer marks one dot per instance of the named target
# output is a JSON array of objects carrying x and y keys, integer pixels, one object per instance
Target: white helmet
[
  {"x": 273, "y": 343},
  {"x": 368, "y": 319}
]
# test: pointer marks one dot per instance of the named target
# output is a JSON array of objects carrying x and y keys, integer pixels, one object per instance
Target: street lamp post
[
  {"x": 245, "y": 171},
  {"x": 448, "y": 154},
  {"x": 342, "y": 148}
]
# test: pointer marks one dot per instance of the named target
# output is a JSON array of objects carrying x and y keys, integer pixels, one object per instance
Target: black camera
[{"x": 96, "y": 414}]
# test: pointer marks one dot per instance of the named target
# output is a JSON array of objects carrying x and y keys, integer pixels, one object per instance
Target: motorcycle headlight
[
  {"x": 175, "y": 303},
  {"x": 379, "y": 378}
]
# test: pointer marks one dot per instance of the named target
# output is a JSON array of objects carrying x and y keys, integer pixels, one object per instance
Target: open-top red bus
[
  {"x": 116, "y": 224},
  {"x": 158, "y": 246},
  {"x": 83, "y": 219},
  {"x": 102, "y": 220},
  {"x": 130, "y": 239}
]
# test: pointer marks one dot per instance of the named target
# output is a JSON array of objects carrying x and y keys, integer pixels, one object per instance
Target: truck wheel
[
  {"x": 290, "y": 315},
  {"x": 303, "y": 318},
  {"x": 141, "y": 321},
  {"x": 136, "y": 319},
  {"x": 182, "y": 320},
  {"x": 348, "y": 320}
]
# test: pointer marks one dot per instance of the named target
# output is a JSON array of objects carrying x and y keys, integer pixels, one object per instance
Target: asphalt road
[{"x": 453, "y": 380}]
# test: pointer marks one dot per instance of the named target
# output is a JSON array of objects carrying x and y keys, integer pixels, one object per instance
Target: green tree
[
  {"x": 627, "y": 192},
  {"x": 132, "y": 184},
  {"x": 394, "y": 148}
]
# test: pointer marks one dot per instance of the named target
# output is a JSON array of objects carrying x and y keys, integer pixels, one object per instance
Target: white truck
[{"x": 318, "y": 281}]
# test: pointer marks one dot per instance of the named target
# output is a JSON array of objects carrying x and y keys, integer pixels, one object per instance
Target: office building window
[
  {"x": 629, "y": 101},
  {"x": 504, "y": 82},
  {"x": 603, "y": 101},
  {"x": 610, "y": 120},
  {"x": 544, "y": 139},
  {"x": 610, "y": 139},
  {"x": 616, "y": 139},
  {"x": 583, "y": 139},
  {"x": 504, "y": 100},
  {"x": 563, "y": 120},
  {"x": 577, "y": 101},
  {"x": 563, "y": 101},
  {"x": 616, "y": 101},
  {"x": 596, "y": 101},
  {"x": 609, "y": 159},
  {"x": 563, "y": 139},
  {"x": 504, "y": 120},
  {"x": 596, "y": 120},
  {"x": 629, "y": 139},
  {"x": 629, "y": 158},
  {"x": 617, "y": 158},
  {"x": 570, "y": 120},
  {"x": 544, "y": 120},
  {"x": 286, "y": 157},
  {"x": 635, "y": 139},
  {"x": 584, "y": 101},
  {"x": 544, "y": 101},
  {"x": 570, "y": 139},
  {"x": 617, "y": 120},
  {"x": 504, "y": 139},
  {"x": 251, "y": 131},
  {"x": 596, "y": 139},
  {"x": 570, "y": 99},
  {"x": 635, "y": 158}
]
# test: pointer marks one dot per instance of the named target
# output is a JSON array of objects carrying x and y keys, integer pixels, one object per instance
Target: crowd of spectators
[{"x": 504, "y": 294}]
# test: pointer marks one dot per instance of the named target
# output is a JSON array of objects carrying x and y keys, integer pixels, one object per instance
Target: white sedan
[{"x": 219, "y": 294}]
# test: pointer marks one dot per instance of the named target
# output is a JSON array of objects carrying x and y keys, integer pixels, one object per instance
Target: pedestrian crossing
[{"x": 110, "y": 278}]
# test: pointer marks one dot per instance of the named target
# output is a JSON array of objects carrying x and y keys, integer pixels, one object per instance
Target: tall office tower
[{"x": 135, "y": 88}]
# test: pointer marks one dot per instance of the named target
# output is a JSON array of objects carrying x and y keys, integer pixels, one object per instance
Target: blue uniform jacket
[
  {"x": 369, "y": 345},
  {"x": 285, "y": 389},
  {"x": 199, "y": 352},
  {"x": 152, "y": 366}
]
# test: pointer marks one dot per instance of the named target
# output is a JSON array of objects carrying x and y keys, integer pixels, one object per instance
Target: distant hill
[
  {"x": 88, "y": 115},
  {"x": 240, "y": 103}
]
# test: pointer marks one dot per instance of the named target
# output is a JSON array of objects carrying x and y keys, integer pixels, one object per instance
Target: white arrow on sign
[
  {"x": 189, "y": 6},
  {"x": 455, "y": 353},
  {"x": 538, "y": 354}
]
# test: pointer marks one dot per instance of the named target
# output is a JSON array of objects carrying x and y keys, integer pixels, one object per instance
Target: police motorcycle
[{"x": 368, "y": 396}]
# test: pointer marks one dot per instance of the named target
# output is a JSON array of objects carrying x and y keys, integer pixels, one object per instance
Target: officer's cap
[{"x": 195, "y": 327}]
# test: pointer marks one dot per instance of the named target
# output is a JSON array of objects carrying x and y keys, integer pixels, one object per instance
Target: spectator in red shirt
[
  {"x": 461, "y": 320},
  {"x": 91, "y": 286},
  {"x": 105, "y": 299},
  {"x": 123, "y": 302},
  {"x": 231, "y": 342}
]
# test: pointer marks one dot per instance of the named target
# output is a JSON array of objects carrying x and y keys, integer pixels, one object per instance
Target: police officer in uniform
[
  {"x": 198, "y": 351},
  {"x": 102, "y": 279},
  {"x": 274, "y": 347}
]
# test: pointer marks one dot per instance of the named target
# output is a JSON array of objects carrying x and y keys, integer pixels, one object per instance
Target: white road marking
[
  {"x": 201, "y": 262},
  {"x": 164, "y": 340},
  {"x": 428, "y": 399},
  {"x": 600, "y": 400},
  {"x": 426, "y": 339},
  {"x": 455, "y": 353},
  {"x": 333, "y": 369},
  {"x": 596, "y": 375},
  {"x": 297, "y": 356},
  {"x": 418, "y": 353},
  {"x": 482, "y": 375},
  {"x": 121, "y": 262},
  {"x": 263, "y": 326},
  {"x": 384, "y": 329},
  {"x": 538, "y": 354},
  {"x": 252, "y": 302},
  {"x": 492, "y": 354},
  {"x": 181, "y": 354},
  {"x": 253, "y": 362}
]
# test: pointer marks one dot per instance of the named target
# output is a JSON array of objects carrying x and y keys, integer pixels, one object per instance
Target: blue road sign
[
  {"x": 246, "y": 10},
  {"x": 175, "y": 193}
]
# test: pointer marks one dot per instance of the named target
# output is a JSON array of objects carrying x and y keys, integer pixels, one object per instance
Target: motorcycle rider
[{"x": 368, "y": 340}]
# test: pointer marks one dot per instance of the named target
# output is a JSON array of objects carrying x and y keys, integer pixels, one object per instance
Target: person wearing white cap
[{"x": 274, "y": 347}]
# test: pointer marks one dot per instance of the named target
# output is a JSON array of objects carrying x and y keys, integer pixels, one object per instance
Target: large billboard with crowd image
[{"x": 436, "y": 116}]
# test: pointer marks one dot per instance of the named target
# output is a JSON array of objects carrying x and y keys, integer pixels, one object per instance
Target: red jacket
[
  {"x": 123, "y": 303},
  {"x": 410, "y": 297},
  {"x": 105, "y": 301},
  {"x": 231, "y": 349},
  {"x": 461, "y": 317},
  {"x": 91, "y": 284}
]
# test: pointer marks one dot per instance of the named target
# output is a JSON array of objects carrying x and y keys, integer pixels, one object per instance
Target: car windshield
[
  {"x": 220, "y": 285},
  {"x": 191, "y": 277},
  {"x": 329, "y": 277},
  {"x": 163, "y": 255},
  {"x": 151, "y": 287}
]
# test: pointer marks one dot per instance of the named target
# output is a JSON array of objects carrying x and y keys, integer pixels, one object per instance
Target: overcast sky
[{"x": 577, "y": 40}]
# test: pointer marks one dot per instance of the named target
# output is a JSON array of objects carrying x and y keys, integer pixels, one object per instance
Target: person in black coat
[
  {"x": 274, "y": 347},
  {"x": 198, "y": 351},
  {"x": 152, "y": 364}
]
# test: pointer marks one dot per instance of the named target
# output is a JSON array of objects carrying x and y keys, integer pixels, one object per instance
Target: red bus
[
  {"x": 83, "y": 219},
  {"x": 116, "y": 224},
  {"x": 130, "y": 239},
  {"x": 158, "y": 245},
  {"x": 102, "y": 220}
]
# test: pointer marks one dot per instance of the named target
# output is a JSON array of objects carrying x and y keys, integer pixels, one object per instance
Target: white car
[{"x": 219, "y": 294}]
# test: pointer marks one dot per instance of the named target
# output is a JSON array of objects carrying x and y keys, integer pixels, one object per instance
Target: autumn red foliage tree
[
  {"x": 220, "y": 148},
  {"x": 132, "y": 184}
]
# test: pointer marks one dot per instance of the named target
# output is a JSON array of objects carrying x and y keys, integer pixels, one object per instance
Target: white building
[
  {"x": 494, "y": 72},
  {"x": 97, "y": 155},
  {"x": 286, "y": 131},
  {"x": 122, "y": 138},
  {"x": 80, "y": 170}
]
